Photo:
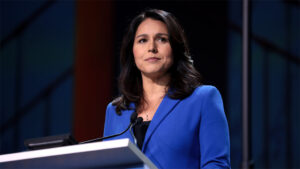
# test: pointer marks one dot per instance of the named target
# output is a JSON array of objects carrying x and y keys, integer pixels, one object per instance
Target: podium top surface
[{"x": 116, "y": 153}]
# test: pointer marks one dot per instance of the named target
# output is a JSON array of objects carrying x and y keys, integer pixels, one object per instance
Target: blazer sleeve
[{"x": 214, "y": 132}]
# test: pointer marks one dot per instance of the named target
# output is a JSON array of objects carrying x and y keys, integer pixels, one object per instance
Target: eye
[
  {"x": 143, "y": 40},
  {"x": 163, "y": 39}
]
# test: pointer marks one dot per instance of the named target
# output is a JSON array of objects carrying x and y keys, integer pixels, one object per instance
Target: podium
[{"x": 107, "y": 154}]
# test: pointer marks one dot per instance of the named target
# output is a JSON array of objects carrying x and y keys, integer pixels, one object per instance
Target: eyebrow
[{"x": 158, "y": 34}]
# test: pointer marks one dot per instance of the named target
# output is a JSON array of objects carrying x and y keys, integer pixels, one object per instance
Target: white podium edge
[{"x": 120, "y": 143}]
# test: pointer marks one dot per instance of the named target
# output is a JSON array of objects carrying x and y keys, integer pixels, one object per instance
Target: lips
[{"x": 152, "y": 59}]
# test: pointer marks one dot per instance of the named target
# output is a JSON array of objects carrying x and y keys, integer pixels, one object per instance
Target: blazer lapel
[{"x": 165, "y": 107}]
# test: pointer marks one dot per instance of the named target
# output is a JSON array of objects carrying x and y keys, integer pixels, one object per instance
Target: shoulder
[
  {"x": 203, "y": 97},
  {"x": 111, "y": 109},
  {"x": 205, "y": 91},
  {"x": 211, "y": 102},
  {"x": 208, "y": 97}
]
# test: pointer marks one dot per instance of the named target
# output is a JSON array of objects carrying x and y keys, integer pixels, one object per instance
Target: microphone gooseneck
[
  {"x": 133, "y": 121},
  {"x": 133, "y": 117},
  {"x": 137, "y": 121}
]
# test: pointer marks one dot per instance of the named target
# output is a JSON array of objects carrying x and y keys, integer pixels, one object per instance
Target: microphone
[
  {"x": 133, "y": 121},
  {"x": 136, "y": 121},
  {"x": 139, "y": 120}
]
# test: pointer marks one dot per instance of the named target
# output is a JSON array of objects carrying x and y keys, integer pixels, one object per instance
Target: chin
[
  {"x": 153, "y": 71},
  {"x": 154, "y": 74}
]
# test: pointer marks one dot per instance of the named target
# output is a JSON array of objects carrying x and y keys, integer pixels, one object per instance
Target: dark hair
[{"x": 184, "y": 77}]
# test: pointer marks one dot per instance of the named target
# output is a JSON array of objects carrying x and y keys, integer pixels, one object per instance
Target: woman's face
[{"x": 151, "y": 48}]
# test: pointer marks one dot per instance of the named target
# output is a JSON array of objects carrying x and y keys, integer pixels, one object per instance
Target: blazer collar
[{"x": 165, "y": 107}]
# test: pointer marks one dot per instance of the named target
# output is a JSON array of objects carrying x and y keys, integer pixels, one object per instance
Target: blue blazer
[{"x": 188, "y": 133}]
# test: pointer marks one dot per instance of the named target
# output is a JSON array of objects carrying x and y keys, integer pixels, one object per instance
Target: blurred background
[{"x": 59, "y": 63}]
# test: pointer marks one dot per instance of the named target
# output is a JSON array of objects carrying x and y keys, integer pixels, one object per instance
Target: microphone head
[
  {"x": 133, "y": 117},
  {"x": 139, "y": 120}
]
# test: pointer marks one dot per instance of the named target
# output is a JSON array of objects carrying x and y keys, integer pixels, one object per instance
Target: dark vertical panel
[
  {"x": 93, "y": 67},
  {"x": 276, "y": 33},
  {"x": 2, "y": 104},
  {"x": 33, "y": 55},
  {"x": 18, "y": 89},
  {"x": 288, "y": 86},
  {"x": 266, "y": 112},
  {"x": 47, "y": 115}
]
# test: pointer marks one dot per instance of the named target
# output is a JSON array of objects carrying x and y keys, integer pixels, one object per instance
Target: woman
[{"x": 184, "y": 124}]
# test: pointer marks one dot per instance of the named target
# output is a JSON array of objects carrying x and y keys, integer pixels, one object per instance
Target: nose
[{"x": 152, "y": 47}]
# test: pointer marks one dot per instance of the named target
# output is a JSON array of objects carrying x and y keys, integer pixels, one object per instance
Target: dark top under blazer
[{"x": 188, "y": 133}]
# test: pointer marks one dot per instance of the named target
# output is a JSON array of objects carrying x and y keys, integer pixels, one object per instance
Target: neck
[{"x": 155, "y": 87}]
